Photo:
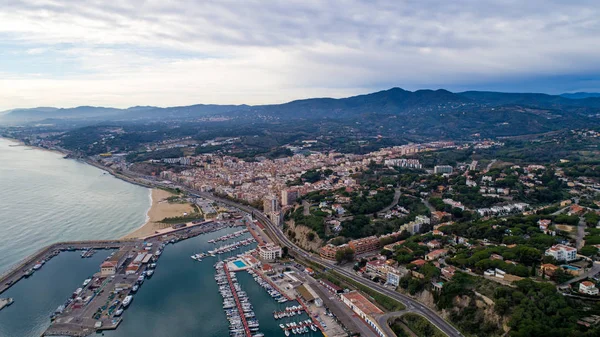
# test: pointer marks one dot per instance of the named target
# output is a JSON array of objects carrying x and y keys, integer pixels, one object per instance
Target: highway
[{"x": 411, "y": 304}]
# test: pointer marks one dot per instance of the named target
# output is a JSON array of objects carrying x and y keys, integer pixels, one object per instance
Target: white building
[
  {"x": 562, "y": 253},
  {"x": 364, "y": 309},
  {"x": 588, "y": 287},
  {"x": 440, "y": 169},
  {"x": 269, "y": 252}
]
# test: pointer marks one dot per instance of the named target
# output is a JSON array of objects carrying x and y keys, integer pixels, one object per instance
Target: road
[
  {"x": 411, "y": 304},
  {"x": 383, "y": 321}
]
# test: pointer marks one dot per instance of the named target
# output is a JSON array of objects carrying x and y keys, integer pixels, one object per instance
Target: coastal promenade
[{"x": 17, "y": 272}]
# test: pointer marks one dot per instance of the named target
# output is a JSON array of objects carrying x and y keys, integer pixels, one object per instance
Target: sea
[
  {"x": 50, "y": 194},
  {"x": 45, "y": 199}
]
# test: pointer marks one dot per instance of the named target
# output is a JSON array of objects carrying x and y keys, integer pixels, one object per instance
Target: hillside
[{"x": 394, "y": 113}]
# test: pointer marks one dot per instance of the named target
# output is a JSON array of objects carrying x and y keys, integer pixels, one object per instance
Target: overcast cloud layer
[{"x": 124, "y": 53}]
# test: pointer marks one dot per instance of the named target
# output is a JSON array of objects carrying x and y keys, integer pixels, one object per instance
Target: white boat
[
  {"x": 149, "y": 272},
  {"x": 127, "y": 301},
  {"x": 287, "y": 332},
  {"x": 87, "y": 281},
  {"x": 118, "y": 312},
  {"x": 135, "y": 288}
]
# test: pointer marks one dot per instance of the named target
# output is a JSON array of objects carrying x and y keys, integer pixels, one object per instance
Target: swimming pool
[
  {"x": 239, "y": 264},
  {"x": 569, "y": 267}
]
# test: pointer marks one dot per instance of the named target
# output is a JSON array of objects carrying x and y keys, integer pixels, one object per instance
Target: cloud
[{"x": 127, "y": 53}]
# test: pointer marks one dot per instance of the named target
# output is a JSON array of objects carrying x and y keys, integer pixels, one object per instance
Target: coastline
[
  {"x": 160, "y": 208},
  {"x": 32, "y": 147}
]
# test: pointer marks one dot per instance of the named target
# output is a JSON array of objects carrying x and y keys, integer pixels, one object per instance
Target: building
[
  {"x": 276, "y": 218},
  {"x": 377, "y": 267},
  {"x": 328, "y": 251},
  {"x": 364, "y": 245},
  {"x": 433, "y": 244},
  {"x": 108, "y": 268},
  {"x": 331, "y": 287},
  {"x": 548, "y": 269},
  {"x": 113, "y": 263},
  {"x": 441, "y": 169},
  {"x": 448, "y": 272},
  {"x": 269, "y": 252},
  {"x": 288, "y": 197},
  {"x": 270, "y": 204},
  {"x": 562, "y": 253},
  {"x": 394, "y": 275},
  {"x": 588, "y": 287},
  {"x": 364, "y": 309},
  {"x": 436, "y": 254}
]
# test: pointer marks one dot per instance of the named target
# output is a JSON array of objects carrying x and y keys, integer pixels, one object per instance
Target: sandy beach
[{"x": 159, "y": 210}]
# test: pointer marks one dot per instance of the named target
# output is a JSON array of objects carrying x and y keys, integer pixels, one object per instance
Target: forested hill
[{"x": 395, "y": 111}]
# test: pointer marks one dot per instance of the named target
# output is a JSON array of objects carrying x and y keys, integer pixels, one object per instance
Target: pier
[
  {"x": 289, "y": 298},
  {"x": 237, "y": 302},
  {"x": 13, "y": 275}
]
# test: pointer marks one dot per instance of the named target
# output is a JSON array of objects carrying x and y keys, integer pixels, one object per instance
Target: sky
[{"x": 67, "y": 53}]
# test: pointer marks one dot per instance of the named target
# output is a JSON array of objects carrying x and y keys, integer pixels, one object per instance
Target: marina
[{"x": 166, "y": 290}]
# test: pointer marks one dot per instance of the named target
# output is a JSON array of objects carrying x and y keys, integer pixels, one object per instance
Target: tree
[
  {"x": 344, "y": 255},
  {"x": 589, "y": 250},
  {"x": 284, "y": 251}
]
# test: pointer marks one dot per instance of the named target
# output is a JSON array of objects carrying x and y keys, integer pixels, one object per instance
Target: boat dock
[
  {"x": 237, "y": 302},
  {"x": 35, "y": 261},
  {"x": 283, "y": 293}
]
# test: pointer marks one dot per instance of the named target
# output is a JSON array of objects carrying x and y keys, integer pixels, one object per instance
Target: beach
[{"x": 159, "y": 209}]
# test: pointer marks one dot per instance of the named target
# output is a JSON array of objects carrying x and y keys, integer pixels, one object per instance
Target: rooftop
[{"x": 362, "y": 303}]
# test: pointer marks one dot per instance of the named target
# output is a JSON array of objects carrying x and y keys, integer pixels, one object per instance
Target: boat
[
  {"x": 140, "y": 279},
  {"x": 5, "y": 302},
  {"x": 282, "y": 326},
  {"x": 127, "y": 301},
  {"x": 135, "y": 288},
  {"x": 287, "y": 332},
  {"x": 118, "y": 312},
  {"x": 149, "y": 273},
  {"x": 37, "y": 266},
  {"x": 87, "y": 281},
  {"x": 313, "y": 327}
]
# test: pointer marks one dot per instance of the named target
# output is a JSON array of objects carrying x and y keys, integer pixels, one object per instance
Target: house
[
  {"x": 448, "y": 272},
  {"x": 418, "y": 262},
  {"x": 587, "y": 287},
  {"x": 548, "y": 269},
  {"x": 576, "y": 210},
  {"x": 433, "y": 244},
  {"x": 436, "y": 254},
  {"x": 496, "y": 257},
  {"x": 562, "y": 252}
]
